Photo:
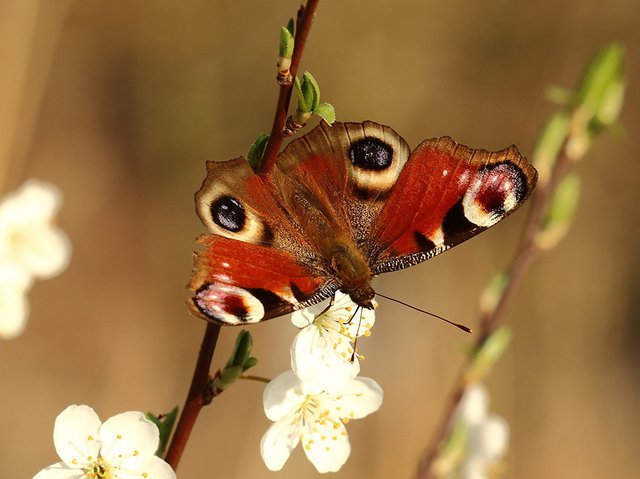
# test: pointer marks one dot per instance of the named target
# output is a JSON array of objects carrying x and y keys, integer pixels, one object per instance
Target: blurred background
[{"x": 120, "y": 104}]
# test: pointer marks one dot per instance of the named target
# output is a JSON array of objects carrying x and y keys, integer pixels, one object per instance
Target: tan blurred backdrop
[{"x": 120, "y": 103}]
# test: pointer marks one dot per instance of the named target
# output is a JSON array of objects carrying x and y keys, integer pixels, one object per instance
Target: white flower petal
[
  {"x": 473, "y": 468},
  {"x": 328, "y": 447},
  {"x": 318, "y": 357},
  {"x": 474, "y": 405},
  {"x": 278, "y": 442},
  {"x": 14, "y": 308},
  {"x": 60, "y": 471},
  {"x": 305, "y": 317},
  {"x": 490, "y": 439},
  {"x": 282, "y": 395},
  {"x": 45, "y": 252},
  {"x": 75, "y": 435},
  {"x": 126, "y": 435},
  {"x": 359, "y": 398},
  {"x": 148, "y": 467},
  {"x": 34, "y": 202}
]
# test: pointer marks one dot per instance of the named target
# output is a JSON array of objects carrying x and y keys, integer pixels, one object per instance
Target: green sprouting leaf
[
  {"x": 559, "y": 95},
  {"x": 256, "y": 151},
  {"x": 302, "y": 102},
  {"x": 241, "y": 350},
  {"x": 549, "y": 144},
  {"x": 165, "y": 423},
  {"x": 239, "y": 361},
  {"x": 560, "y": 213},
  {"x": 286, "y": 43},
  {"x": 605, "y": 70},
  {"x": 611, "y": 105},
  {"x": 326, "y": 112},
  {"x": 311, "y": 90},
  {"x": 291, "y": 25},
  {"x": 452, "y": 450},
  {"x": 249, "y": 363},
  {"x": 487, "y": 355},
  {"x": 493, "y": 292}
]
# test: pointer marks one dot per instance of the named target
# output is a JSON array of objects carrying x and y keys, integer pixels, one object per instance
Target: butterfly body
[{"x": 344, "y": 204}]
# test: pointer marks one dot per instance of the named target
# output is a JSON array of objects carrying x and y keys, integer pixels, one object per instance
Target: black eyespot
[
  {"x": 228, "y": 213},
  {"x": 371, "y": 154}
]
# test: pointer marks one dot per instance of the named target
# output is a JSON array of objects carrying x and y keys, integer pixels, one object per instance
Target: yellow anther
[
  {"x": 119, "y": 436},
  {"x": 335, "y": 438},
  {"x": 89, "y": 437}
]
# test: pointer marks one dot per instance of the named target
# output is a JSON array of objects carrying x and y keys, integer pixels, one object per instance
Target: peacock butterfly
[{"x": 343, "y": 204}]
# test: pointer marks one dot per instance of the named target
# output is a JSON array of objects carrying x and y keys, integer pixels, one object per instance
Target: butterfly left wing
[
  {"x": 446, "y": 194},
  {"x": 256, "y": 264},
  {"x": 237, "y": 283}
]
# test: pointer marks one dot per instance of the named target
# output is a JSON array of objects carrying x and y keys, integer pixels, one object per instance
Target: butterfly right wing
[{"x": 256, "y": 263}]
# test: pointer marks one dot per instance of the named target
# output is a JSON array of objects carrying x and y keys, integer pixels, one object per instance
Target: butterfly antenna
[{"x": 466, "y": 329}]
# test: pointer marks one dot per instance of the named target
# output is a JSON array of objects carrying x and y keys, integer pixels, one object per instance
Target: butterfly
[{"x": 343, "y": 204}]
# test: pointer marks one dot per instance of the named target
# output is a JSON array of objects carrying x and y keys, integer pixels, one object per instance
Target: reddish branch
[
  {"x": 200, "y": 392},
  {"x": 525, "y": 255},
  {"x": 276, "y": 137}
]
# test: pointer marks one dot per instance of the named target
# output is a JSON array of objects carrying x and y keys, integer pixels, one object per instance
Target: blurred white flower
[
  {"x": 31, "y": 247},
  {"x": 304, "y": 413},
  {"x": 123, "y": 447},
  {"x": 487, "y": 434},
  {"x": 14, "y": 308},
  {"x": 322, "y": 353}
]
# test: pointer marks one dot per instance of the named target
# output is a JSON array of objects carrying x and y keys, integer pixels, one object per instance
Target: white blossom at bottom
[
  {"x": 123, "y": 447},
  {"x": 303, "y": 413},
  {"x": 487, "y": 434}
]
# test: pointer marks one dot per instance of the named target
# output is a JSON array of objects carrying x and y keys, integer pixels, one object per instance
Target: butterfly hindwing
[{"x": 239, "y": 283}]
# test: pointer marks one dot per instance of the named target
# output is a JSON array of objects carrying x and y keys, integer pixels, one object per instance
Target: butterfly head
[{"x": 362, "y": 295}]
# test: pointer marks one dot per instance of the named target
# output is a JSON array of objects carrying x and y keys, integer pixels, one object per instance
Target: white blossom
[
  {"x": 31, "y": 247},
  {"x": 304, "y": 413},
  {"x": 487, "y": 434},
  {"x": 123, "y": 447},
  {"x": 323, "y": 351},
  {"x": 14, "y": 308}
]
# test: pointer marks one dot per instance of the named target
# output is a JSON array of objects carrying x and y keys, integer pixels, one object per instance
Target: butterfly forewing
[{"x": 446, "y": 194}]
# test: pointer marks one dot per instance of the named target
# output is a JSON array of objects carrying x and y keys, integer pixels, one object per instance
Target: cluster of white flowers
[
  {"x": 123, "y": 447},
  {"x": 487, "y": 435},
  {"x": 31, "y": 247},
  {"x": 311, "y": 403}
]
